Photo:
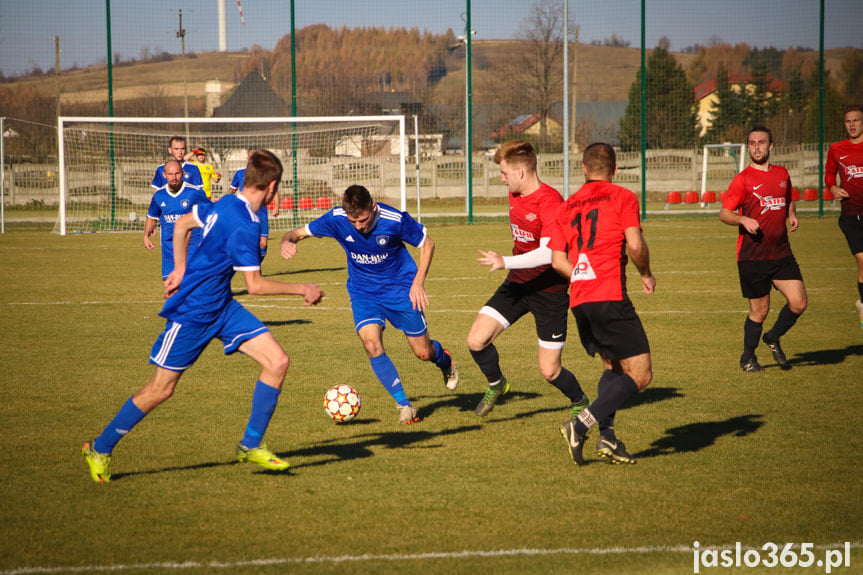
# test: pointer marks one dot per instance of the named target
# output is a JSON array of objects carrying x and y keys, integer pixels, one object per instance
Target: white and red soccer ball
[{"x": 342, "y": 402}]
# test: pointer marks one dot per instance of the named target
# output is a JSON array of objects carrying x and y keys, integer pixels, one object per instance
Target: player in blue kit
[
  {"x": 170, "y": 202},
  {"x": 237, "y": 184},
  {"x": 384, "y": 283},
  {"x": 201, "y": 307},
  {"x": 177, "y": 151}
]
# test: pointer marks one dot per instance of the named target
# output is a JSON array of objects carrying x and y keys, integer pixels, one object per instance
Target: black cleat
[
  {"x": 750, "y": 364},
  {"x": 778, "y": 354},
  {"x": 574, "y": 441},
  {"x": 613, "y": 451}
]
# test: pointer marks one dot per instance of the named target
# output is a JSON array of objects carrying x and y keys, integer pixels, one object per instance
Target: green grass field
[{"x": 724, "y": 456}]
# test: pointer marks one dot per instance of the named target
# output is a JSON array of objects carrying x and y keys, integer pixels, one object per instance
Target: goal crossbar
[{"x": 288, "y": 124}]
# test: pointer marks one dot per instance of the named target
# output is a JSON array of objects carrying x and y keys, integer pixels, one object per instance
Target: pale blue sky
[{"x": 28, "y": 27}]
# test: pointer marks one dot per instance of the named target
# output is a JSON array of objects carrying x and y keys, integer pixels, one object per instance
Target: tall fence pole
[
  {"x": 2, "y": 175},
  {"x": 468, "y": 143},
  {"x": 643, "y": 115},
  {"x": 294, "y": 170},
  {"x": 565, "y": 99},
  {"x": 821, "y": 113}
]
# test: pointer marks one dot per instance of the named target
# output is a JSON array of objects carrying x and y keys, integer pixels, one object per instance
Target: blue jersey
[
  {"x": 379, "y": 264},
  {"x": 167, "y": 208},
  {"x": 229, "y": 243},
  {"x": 191, "y": 175},
  {"x": 237, "y": 186}
]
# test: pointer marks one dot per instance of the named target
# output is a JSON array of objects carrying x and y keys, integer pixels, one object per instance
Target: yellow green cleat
[
  {"x": 492, "y": 394},
  {"x": 100, "y": 463},
  {"x": 262, "y": 456}
]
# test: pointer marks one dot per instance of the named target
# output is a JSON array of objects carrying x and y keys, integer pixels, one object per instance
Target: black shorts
[
  {"x": 511, "y": 301},
  {"x": 611, "y": 329},
  {"x": 852, "y": 227},
  {"x": 756, "y": 276}
]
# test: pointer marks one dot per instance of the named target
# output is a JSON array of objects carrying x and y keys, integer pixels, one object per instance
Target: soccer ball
[{"x": 342, "y": 402}]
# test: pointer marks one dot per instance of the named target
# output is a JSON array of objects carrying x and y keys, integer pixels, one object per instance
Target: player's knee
[
  {"x": 151, "y": 397},
  {"x": 477, "y": 341},
  {"x": 549, "y": 372},
  {"x": 799, "y": 306},
  {"x": 278, "y": 364},
  {"x": 373, "y": 348},
  {"x": 643, "y": 378}
]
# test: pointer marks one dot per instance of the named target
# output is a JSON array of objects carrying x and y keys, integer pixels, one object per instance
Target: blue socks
[
  {"x": 264, "y": 403},
  {"x": 386, "y": 372},
  {"x": 440, "y": 359},
  {"x": 127, "y": 418}
]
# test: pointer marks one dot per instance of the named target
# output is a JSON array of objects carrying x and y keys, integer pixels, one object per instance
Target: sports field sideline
[{"x": 725, "y": 457}]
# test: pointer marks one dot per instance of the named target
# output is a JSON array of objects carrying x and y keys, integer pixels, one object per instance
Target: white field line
[{"x": 175, "y": 566}]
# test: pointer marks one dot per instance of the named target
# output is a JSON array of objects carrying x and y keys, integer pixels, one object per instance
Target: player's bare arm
[
  {"x": 640, "y": 256},
  {"x": 419, "y": 298},
  {"x": 561, "y": 264},
  {"x": 149, "y": 230},
  {"x": 288, "y": 243},
  {"x": 792, "y": 217},
  {"x": 733, "y": 219},
  {"x": 182, "y": 234},
  {"x": 259, "y": 285}
]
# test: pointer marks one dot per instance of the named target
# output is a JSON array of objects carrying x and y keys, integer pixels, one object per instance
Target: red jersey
[
  {"x": 531, "y": 218},
  {"x": 846, "y": 160},
  {"x": 590, "y": 227},
  {"x": 765, "y": 197}
]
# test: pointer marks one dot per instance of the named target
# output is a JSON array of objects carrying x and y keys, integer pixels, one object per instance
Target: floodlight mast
[{"x": 181, "y": 34}]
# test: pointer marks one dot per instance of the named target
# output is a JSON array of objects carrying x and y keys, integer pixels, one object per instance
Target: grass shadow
[
  {"x": 825, "y": 356},
  {"x": 467, "y": 402},
  {"x": 304, "y": 271},
  {"x": 361, "y": 446},
  {"x": 207, "y": 465},
  {"x": 652, "y": 395},
  {"x": 287, "y": 322},
  {"x": 697, "y": 436}
]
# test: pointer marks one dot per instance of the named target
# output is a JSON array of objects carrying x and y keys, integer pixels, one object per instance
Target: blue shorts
[
  {"x": 400, "y": 314},
  {"x": 179, "y": 346}
]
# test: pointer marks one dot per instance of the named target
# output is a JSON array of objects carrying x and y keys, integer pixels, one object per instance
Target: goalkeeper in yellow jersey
[{"x": 209, "y": 175}]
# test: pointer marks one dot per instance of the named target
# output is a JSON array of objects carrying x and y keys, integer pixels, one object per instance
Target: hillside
[{"x": 603, "y": 73}]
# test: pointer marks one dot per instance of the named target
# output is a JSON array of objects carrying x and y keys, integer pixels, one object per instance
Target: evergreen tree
[
  {"x": 761, "y": 103},
  {"x": 671, "y": 117},
  {"x": 729, "y": 111},
  {"x": 852, "y": 75}
]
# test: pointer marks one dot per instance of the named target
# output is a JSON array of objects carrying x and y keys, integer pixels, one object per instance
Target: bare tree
[{"x": 533, "y": 75}]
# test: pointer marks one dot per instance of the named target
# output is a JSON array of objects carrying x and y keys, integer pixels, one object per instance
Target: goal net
[
  {"x": 106, "y": 165},
  {"x": 720, "y": 163}
]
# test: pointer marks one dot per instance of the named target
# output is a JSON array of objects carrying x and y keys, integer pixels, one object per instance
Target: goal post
[
  {"x": 722, "y": 162},
  {"x": 106, "y": 165}
]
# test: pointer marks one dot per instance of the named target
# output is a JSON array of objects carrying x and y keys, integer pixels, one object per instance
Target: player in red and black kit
[
  {"x": 531, "y": 285},
  {"x": 593, "y": 232},
  {"x": 845, "y": 160},
  {"x": 759, "y": 202}
]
